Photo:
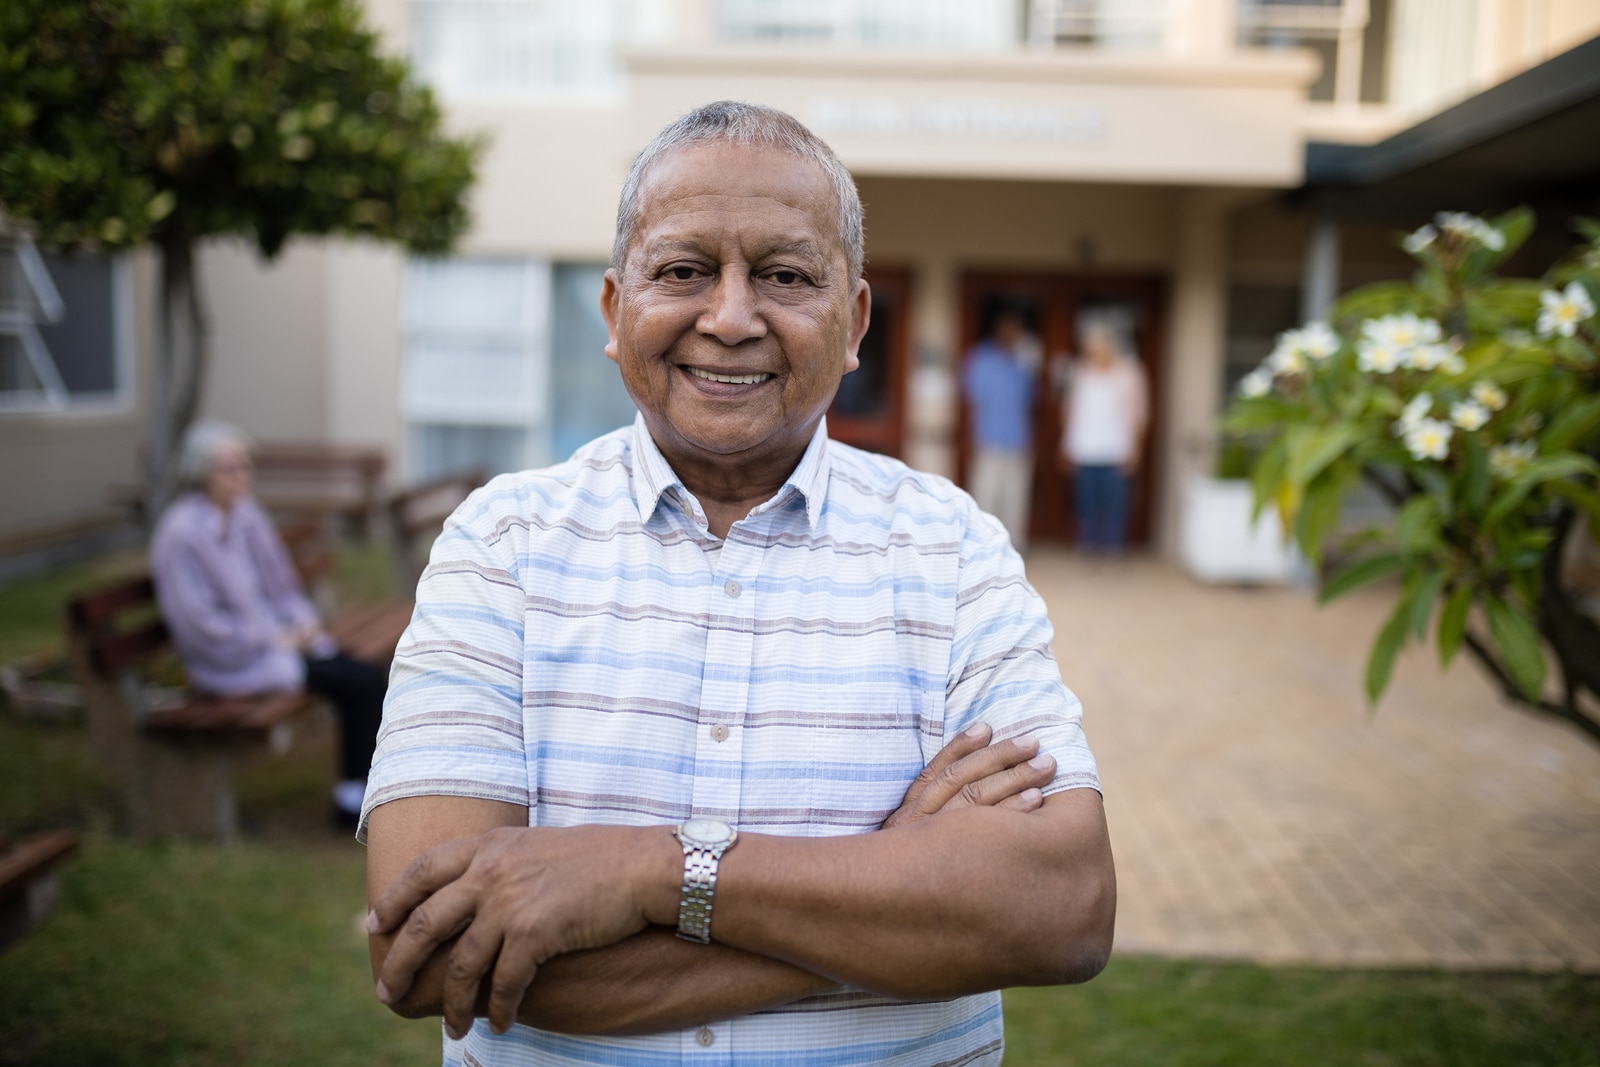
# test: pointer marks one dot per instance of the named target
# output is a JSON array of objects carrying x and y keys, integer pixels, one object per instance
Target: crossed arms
[{"x": 975, "y": 883}]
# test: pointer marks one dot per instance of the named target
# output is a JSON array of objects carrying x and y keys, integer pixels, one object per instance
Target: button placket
[{"x": 725, "y": 688}]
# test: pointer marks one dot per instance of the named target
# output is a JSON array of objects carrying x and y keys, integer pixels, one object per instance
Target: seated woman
[{"x": 238, "y": 616}]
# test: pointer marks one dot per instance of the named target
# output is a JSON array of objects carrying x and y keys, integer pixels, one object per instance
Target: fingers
[
  {"x": 431, "y": 923},
  {"x": 968, "y": 779},
  {"x": 1009, "y": 783},
  {"x": 423, "y": 876},
  {"x": 469, "y": 962},
  {"x": 512, "y": 977}
]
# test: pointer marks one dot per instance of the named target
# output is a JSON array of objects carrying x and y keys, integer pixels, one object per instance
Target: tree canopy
[{"x": 127, "y": 121}]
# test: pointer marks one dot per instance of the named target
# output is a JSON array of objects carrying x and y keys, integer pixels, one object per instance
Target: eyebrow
[{"x": 795, "y": 246}]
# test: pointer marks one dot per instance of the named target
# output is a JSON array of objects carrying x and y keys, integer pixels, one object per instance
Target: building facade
[{"x": 1143, "y": 161}]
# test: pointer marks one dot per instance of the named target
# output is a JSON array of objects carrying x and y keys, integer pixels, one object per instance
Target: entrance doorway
[
  {"x": 1054, "y": 307},
  {"x": 869, "y": 411}
]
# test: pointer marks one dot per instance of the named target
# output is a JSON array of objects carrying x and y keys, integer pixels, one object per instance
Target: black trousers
[{"x": 356, "y": 690}]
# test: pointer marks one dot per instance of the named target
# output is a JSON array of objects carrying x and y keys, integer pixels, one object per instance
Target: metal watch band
[{"x": 699, "y": 886}]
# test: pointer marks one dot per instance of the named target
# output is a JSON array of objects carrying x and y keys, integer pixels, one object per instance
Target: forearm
[
  {"x": 656, "y": 981},
  {"x": 973, "y": 900},
  {"x": 650, "y": 982}
]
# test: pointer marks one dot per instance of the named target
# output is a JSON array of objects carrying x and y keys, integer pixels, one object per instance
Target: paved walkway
[{"x": 1258, "y": 812}]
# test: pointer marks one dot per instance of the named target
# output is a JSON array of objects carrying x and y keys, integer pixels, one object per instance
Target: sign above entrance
[{"x": 837, "y": 116}]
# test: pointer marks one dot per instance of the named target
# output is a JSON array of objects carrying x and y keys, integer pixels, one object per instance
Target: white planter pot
[{"x": 1221, "y": 544}]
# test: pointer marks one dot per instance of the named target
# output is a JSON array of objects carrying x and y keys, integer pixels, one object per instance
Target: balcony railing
[{"x": 1116, "y": 24}]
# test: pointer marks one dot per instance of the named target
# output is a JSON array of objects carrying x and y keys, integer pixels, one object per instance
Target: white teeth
[{"x": 728, "y": 379}]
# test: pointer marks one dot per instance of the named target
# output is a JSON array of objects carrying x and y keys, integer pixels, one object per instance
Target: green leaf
[
  {"x": 1264, "y": 480},
  {"x": 1422, "y": 599},
  {"x": 1360, "y": 573},
  {"x": 1573, "y": 427},
  {"x": 1475, "y": 483},
  {"x": 1419, "y": 524},
  {"x": 1385, "y": 650},
  {"x": 1518, "y": 641},
  {"x": 1453, "y": 623},
  {"x": 1313, "y": 452}
]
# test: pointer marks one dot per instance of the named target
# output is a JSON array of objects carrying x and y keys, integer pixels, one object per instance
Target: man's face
[{"x": 734, "y": 316}]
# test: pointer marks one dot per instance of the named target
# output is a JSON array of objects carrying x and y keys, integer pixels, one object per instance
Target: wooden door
[
  {"x": 1052, "y": 305},
  {"x": 869, "y": 410}
]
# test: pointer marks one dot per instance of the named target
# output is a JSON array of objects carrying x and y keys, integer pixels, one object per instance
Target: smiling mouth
[{"x": 729, "y": 379}]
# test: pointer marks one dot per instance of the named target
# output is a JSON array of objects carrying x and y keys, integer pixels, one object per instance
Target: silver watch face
[{"x": 707, "y": 833}]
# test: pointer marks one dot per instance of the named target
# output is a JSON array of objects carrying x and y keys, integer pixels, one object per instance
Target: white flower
[
  {"x": 1257, "y": 383},
  {"x": 1318, "y": 340},
  {"x": 1427, "y": 357},
  {"x": 1422, "y": 238},
  {"x": 1453, "y": 364},
  {"x": 1378, "y": 357},
  {"x": 1415, "y": 410},
  {"x": 1429, "y": 439},
  {"x": 1470, "y": 228},
  {"x": 1287, "y": 359},
  {"x": 1402, "y": 331},
  {"x": 1490, "y": 395},
  {"x": 1506, "y": 461},
  {"x": 1469, "y": 414},
  {"x": 1560, "y": 311}
]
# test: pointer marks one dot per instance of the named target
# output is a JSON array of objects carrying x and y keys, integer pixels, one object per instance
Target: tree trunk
[{"x": 182, "y": 357}]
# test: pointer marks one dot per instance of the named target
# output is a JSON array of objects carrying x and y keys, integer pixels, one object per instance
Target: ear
[
  {"x": 860, "y": 319},
  {"x": 610, "y": 301}
]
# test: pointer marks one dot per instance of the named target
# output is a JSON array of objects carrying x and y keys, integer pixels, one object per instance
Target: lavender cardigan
[{"x": 228, "y": 591}]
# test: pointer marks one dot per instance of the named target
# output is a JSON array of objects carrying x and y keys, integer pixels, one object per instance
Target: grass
[{"x": 250, "y": 954}]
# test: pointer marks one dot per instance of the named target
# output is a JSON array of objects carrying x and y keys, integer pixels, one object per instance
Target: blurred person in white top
[{"x": 1103, "y": 417}]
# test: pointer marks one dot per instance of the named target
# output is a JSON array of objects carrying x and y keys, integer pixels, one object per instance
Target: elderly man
[{"x": 722, "y": 741}]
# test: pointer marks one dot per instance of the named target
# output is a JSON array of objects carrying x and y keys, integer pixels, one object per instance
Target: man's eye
[
  {"x": 785, "y": 277},
  {"x": 681, "y": 274}
]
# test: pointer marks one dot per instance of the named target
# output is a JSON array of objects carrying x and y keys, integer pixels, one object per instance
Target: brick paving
[{"x": 1258, "y": 812}]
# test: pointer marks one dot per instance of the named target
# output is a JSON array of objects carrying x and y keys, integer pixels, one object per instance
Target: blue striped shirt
[{"x": 583, "y": 645}]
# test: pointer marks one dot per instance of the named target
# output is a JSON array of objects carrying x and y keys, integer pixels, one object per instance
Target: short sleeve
[
  {"x": 1002, "y": 670},
  {"x": 452, "y": 720}
]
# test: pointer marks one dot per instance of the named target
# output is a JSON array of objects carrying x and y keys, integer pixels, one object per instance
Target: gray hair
[
  {"x": 751, "y": 125},
  {"x": 200, "y": 447}
]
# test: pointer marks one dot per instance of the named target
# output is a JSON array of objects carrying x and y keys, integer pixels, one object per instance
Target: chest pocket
[{"x": 867, "y": 746}]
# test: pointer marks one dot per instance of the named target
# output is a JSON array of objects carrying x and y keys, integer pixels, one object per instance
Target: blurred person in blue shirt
[{"x": 1000, "y": 381}]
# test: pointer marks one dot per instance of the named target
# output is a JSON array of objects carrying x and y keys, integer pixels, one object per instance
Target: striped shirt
[{"x": 583, "y": 645}]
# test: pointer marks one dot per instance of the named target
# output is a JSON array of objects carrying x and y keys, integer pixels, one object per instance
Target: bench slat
[{"x": 32, "y": 857}]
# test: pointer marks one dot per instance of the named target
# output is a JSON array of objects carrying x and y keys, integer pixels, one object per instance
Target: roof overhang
[{"x": 1532, "y": 139}]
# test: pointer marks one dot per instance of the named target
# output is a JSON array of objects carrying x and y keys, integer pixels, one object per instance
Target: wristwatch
[{"x": 704, "y": 841}]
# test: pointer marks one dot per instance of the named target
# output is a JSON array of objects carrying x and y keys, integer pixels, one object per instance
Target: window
[
  {"x": 65, "y": 329},
  {"x": 531, "y": 47},
  {"x": 954, "y": 24},
  {"x": 586, "y": 394},
  {"x": 505, "y": 364},
  {"x": 473, "y": 382}
]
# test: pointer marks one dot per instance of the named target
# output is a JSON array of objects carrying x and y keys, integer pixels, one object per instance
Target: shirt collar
[{"x": 653, "y": 476}]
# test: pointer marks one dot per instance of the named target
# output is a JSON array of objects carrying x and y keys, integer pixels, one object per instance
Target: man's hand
[
  {"x": 970, "y": 772},
  {"x": 516, "y": 897}
]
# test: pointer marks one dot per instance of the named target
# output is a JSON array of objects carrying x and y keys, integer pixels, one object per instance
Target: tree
[
  {"x": 1472, "y": 404},
  {"x": 124, "y": 122}
]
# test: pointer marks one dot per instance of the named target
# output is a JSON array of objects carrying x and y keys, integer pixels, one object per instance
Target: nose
[{"x": 732, "y": 315}]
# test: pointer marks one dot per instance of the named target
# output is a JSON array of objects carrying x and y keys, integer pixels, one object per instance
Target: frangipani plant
[{"x": 1472, "y": 404}]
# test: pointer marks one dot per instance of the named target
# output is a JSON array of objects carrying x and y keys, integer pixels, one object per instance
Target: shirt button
[
  {"x": 719, "y": 732},
  {"x": 732, "y": 588},
  {"x": 705, "y": 1037}
]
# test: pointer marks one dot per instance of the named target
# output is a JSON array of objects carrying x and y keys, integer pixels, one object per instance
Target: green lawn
[{"x": 250, "y": 955}]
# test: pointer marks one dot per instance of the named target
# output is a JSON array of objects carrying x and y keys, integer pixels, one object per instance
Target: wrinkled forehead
[{"x": 729, "y": 174}]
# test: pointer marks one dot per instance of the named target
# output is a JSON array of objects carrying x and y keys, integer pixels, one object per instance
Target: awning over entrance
[{"x": 1533, "y": 139}]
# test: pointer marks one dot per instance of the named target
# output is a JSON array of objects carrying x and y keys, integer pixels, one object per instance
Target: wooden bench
[
  {"x": 298, "y": 480},
  {"x": 27, "y": 879},
  {"x": 174, "y": 750},
  {"x": 416, "y": 518}
]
